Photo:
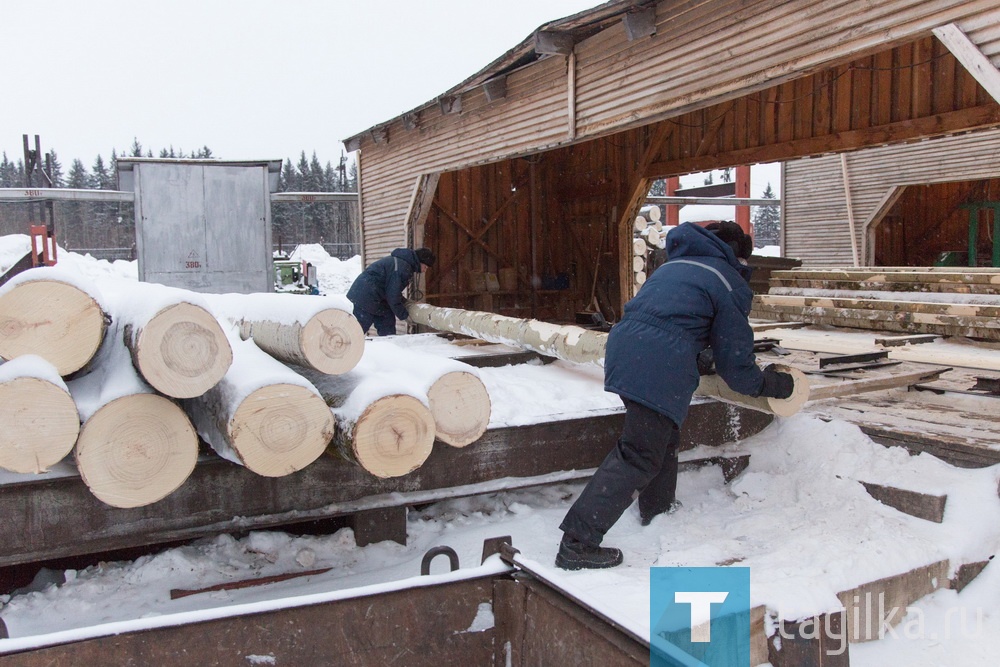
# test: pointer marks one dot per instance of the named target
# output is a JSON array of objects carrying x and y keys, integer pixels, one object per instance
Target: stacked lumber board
[
  {"x": 123, "y": 377},
  {"x": 943, "y": 301}
]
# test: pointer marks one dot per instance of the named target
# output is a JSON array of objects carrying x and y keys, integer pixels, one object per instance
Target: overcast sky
[{"x": 251, "y": 79}]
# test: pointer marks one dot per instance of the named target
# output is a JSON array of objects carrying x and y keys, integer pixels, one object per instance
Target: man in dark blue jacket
[
  {"x": 377, "y": 294},
  {"x": 700, "y": 298}
]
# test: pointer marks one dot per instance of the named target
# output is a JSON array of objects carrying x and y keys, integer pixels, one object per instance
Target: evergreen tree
[
  {"x": 54, "y": 169},
  {"x": 659, "y": 188},
  {"x": 727, "y": 175},
  {"x": 76, "y": 232},
  {"x": 78, "y": 176},
  {"x": 136, "y": 150},
  {"x": 767, "y": 222}
]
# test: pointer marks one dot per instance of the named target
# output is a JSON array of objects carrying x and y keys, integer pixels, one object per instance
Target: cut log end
[
  {"x": 332, "y": 341},
  {"x": 40, "y": 425},
  {"x": 55, "y": 320},
  {"x": 461, "y": 408},
  {"x": 786, "y": 407},
  {"x": 280, "y": 428},
  {"x": 182, "y": 351},
  {"x": 393, "y": 436},
  {"x": 136, "y": 450}
]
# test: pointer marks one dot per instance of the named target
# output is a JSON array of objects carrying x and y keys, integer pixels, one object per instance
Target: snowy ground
[{"x": 798, "y": 517}]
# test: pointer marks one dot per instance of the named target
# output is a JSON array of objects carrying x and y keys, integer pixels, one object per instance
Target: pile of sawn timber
[
  {"x": 126, "y": 376},
  {"x": 944, "y": 301}
]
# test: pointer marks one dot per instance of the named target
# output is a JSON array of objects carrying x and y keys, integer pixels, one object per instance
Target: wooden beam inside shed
[{"x": 974, "y": 60}]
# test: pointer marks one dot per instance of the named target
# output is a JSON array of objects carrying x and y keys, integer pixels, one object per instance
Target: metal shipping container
[{"x": 203, "y": 225}]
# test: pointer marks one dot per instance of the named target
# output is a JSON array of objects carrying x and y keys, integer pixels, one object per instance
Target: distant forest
[{"x": 107, "y": 230}]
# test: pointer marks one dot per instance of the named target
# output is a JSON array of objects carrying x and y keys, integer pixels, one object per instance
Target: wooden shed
[
  {"x": 525, "y": 179},
  {"x": 910, "y": 203}
]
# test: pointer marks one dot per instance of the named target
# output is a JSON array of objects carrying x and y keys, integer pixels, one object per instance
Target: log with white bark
[
  {"x": 177, "y": 344},
  {"x": 651, "y": 213},
  {"x": 135, "y": 447},
  {"x": 640, "y": 223},
  {"x": 576, "y": 344},
  {"x": 381, "y": 421},
  {"x": 639, "y": 247},
  {"x": 262, "y": 414},
  {"x": 39, "y": 423},
  {"x": 51, "y": 313},
  {"x": 457, "y": 398},
  {"x": 315, "y": 331}
]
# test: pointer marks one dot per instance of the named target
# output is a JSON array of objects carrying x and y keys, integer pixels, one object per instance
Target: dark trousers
[
  {"x": 643, "y": 464},
  {"x": 385, "y": 325}
]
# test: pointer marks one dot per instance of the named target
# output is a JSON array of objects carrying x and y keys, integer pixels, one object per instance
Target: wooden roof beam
[
  {"x": 974, "y": 60},
  {"x": 640, "y": 22},
  {"x": 987, "y": 115},
  {"x": 553, "y": 43}
]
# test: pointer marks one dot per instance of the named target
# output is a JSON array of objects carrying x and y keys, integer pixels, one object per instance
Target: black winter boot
[{"x": 575, "y": 555}]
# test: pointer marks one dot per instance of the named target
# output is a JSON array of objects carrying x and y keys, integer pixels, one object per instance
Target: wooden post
[
  {"x": 673, "y": 210},
  {"x": 850, "y": 208},
  {"x": 743, "y": 190}
]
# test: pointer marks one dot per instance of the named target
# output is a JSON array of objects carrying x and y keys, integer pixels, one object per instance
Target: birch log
[
  {"x": 39, "y": 423},
  {"x": 53, "y": 314},
  {"x": 262, "y": 415},
  {"x": 576, "y": 344},
  {"x": 457, "y": 398},
  {"x": 319, "y": 332},
  {"x": 381, "y": 422},
  {"x": 135, "y": 447},
  {"x": 176, "y": 343}
]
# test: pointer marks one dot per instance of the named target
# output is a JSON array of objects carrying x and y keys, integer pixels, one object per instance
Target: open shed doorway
[{"x": 929, "y": 225}]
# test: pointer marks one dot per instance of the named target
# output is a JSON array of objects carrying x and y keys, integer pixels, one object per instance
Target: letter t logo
[{"x": 701, "y": 607}]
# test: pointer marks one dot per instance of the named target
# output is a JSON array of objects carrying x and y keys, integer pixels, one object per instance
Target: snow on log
[
  {"x": 262, "y": 415},
  {"x": 177, "y": 345},
  {"x": 39, "y": 423},
  {"x": 572, "y": 343},
  {"x": 315, "y": 331},
  {"x": 51, "y": 313},
  {"x": 135, "y": 447},
  {"x": 457, "y": 398},
  {"x": 381, "y": 421}
]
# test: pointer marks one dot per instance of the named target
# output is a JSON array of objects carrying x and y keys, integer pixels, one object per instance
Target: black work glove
[
  {"x": 706, "y": 362},
  {"x": 777, "y": 384}
]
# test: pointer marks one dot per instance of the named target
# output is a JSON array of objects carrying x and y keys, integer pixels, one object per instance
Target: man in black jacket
[
  {"x": 699, "y": 299},
  {"x": 377, "y": 294}
]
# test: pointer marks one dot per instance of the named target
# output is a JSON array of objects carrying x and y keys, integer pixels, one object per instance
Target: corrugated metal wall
[
  {"x": 815, "y": 210},
  {"x": 703, "y": 52}
]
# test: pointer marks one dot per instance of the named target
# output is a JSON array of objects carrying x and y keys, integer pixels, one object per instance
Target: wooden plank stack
[
  {"x": 148, "y": 369},
  {"x": 916, "y": 300}
]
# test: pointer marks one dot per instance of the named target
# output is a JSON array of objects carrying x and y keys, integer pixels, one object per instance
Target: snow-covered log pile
[
  {"x": 176, "y": 343},
  {"x": 382, "y": 421},
  {"x": 135, "y": 446},
  {"x": 41, "y": 423},
  {"x": 51, "y": 313},
  {"x": 262, "y": 414},
  {"x": 950, "y": 301},
  {"x": 457, "y": 398},
  {"x": 149, "y": 368},
  {"x": 319, "y": 332},
  {"x": 580, "y": 345}
]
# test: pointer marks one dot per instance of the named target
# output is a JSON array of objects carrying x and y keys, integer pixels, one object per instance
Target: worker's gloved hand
[
  {"x": 777, "y": 384},
  {"x": 706, "y": 362}
]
